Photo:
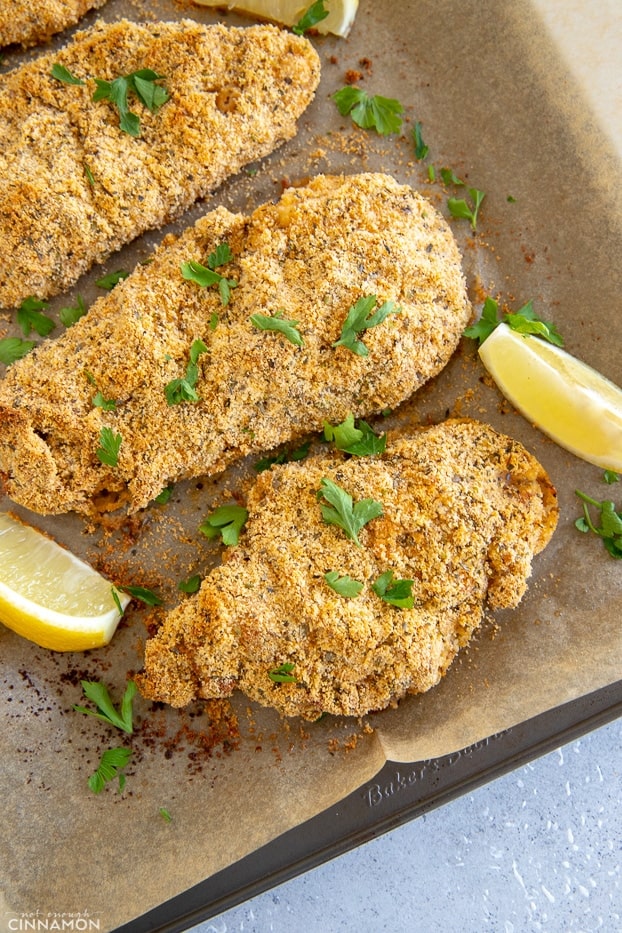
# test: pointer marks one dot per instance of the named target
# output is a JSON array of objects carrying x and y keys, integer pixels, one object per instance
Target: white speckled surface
[{"x": 540, "y": 848}]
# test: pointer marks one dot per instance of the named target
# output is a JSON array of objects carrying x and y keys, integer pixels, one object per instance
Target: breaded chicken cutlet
[
  {"x": 303, "y": 263},
  {"x": 463, "y": 511},
  {"x": 74, "y": 186},
  {"x": 26, "y": 23}
]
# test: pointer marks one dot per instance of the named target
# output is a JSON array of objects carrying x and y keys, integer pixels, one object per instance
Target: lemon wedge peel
[
  {"x": 341, "y": 13},
  {"x": 569, "y": 401},
  {"x": 51, "y": 597}
]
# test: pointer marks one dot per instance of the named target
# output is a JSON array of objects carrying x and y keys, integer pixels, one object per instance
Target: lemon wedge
[
  {"x": 49, "y": 596},
  {"x": 572, "y": 403},
  {"x": 339, "y": 21}
]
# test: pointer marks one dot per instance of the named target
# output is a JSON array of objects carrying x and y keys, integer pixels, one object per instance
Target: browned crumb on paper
[
  {"x": 74, "y": 187},
  {"x": 465, "y": 509}
]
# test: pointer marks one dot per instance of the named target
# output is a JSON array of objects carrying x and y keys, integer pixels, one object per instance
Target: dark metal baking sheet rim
[{"x": 398, "y": 793}]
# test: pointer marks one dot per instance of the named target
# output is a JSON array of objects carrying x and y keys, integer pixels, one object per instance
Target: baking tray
[
  {"x": 497, "y": 104},
  {"x": 398, "y": 793}
]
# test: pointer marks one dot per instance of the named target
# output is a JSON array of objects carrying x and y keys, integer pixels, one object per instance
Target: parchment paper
[{"x": 499, "y": 106}]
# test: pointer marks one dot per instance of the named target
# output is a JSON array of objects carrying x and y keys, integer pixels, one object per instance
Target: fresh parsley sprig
[
  {"x": 106, "y": 711},
  {"x": 360, "y": 441},
  {"x": 226, "y": 521},
  {"x": 360, "y": 318},
  {"x": 342, "y": 511},
  {"x": 110, "y": 765},
  {"x": 525, "y": 321},
  {"x": 276, "y": 322},
  {"x": 383, "y": 114},
  {"x": 183, "y": 389},
  {"x": 610, "y": 528},
  {"x": 310, "y": 18}
]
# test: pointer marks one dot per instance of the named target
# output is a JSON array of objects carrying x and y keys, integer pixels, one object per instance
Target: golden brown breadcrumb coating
[
  {"x": 464, "y": 511},
  {"x": 28, "y": 23},
  {"x": 310, "y": 257},
  {"x": 74, "y": 187}
]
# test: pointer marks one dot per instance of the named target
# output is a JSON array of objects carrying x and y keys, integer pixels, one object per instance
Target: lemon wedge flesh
[
  {"x": 50, "y": 596},
  {"x": 569, "y": 401},
  {"x": 339, "y": 21}
]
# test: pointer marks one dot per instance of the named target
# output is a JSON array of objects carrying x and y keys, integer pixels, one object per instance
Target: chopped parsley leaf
[
  {"x": 380, "y": 113},
  {"x": 14, "y": 348},
  {"x": 143, "y": 594},
  {"x": 30, "y": 317},
  {"x": 226, "y": 521},
  {"x": 360, "y": 318},
  {"x": 360, "y": 441},
  {"x": 341, "y": 511},
  {"x": 524, "y": 321},
  {"x": 69, "y": 316},
  {"x": 449, "y": 177},
  {"x": 459, "y": 207},
  {"x": 610, "y": 528},
  {"x": 113, "y": 278},
  {"x": 279, "y": 324},
  {"x": 396, "y": 592},
  {"x": 310, "y": 18},
  {"x": 63, "y": 74},
  {"x": 421, "y": 150},
  {"x": 283, "y": 674},
  {"x": 286, "y": 456},
  {"x": 109, "y": 767},
  {"x": 183, "y": 389},
  {"x": 106, "y": 404},
  {"x": 109, "y": 447},
  {"x": 191, "y": 585},
  {"x": 106, "y": 711},
  {"x": 343, "y": 585},
  {"x": 206, "y": 276},
  {"x": 163, "y": 497},
  {"x": 142, "y": 83}
]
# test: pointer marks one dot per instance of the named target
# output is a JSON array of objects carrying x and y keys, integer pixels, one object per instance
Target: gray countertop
[{"x": 537, "y": 849}]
